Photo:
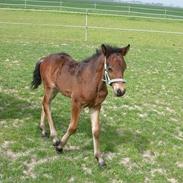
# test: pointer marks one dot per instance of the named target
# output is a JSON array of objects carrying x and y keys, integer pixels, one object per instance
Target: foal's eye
[{"x": 109, "y": 68}]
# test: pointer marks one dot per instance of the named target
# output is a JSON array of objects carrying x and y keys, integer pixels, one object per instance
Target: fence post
[
  {"x": 61, "y": 4},
  {"x": 95, "y": 5},
  {"x": 165, "y": 12},
  {"x": 86, "y": 25},
  {"x": 129, "y": 9},
  {"x": 25, "y": 4}
]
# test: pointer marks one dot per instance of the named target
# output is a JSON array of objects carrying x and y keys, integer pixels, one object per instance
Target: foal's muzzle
[
  {"x": 120, "y": 93},
  {"x": 119, "y": 89}
]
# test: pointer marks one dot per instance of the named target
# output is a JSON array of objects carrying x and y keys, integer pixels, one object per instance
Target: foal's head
[{"x": 115, "y": 67}]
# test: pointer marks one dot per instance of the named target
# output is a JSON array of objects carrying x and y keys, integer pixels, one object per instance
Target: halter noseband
[{"x": 107, "y": 79}]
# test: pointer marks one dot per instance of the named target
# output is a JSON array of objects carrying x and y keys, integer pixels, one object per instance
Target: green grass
[{"x": 142, "y": 133}]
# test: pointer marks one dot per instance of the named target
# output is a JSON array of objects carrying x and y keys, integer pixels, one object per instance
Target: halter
[{"x": 107, "y": 79}]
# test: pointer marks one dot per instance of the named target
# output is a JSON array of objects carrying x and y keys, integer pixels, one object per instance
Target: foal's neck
[
  {"x": 99, "y": 70},
  {"x": 100, "y": 63}
]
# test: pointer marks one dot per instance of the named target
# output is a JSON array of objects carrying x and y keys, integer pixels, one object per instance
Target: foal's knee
[
  {"x": 45, "y": 104},
  {"x": 72, "y": 130},
  {"x": 96, "y": 132}
]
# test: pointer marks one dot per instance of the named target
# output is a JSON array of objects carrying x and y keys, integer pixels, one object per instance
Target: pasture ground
[{"x": 142, "y": 133}]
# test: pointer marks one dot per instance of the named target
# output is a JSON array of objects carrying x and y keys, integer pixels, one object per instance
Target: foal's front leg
[
  {"x": 96, "y": 133},
  {"x": 76, "y": 108}
]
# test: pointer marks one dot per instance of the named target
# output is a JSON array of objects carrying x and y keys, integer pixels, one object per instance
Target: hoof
[
  {"x": 56, "y": 142},
  {"x": 59, "y": 149},
  {"x": 101, "y": 163},
  {"x": 44, "y": 134}
]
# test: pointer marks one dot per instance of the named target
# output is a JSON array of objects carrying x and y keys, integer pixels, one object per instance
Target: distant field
[
  {"x": 96, "y": 7},
  {"x": 142, "y": 133}
]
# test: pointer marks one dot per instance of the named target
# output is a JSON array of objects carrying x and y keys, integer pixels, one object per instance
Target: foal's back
[{"x": 55, "y": 70}]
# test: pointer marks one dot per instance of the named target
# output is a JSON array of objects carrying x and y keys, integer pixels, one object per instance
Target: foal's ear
[
  {"x": 125, "y": 50},
  {"x": 104, "y": 49}
]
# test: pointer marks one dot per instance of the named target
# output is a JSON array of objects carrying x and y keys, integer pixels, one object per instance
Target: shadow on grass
[
  {"x": 15, "y": 108},
  {"x": 111, "y": 137},
  {"x": 12, "y": 107}
]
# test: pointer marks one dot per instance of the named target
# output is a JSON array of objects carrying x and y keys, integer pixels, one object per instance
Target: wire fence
[
  {"x": 104, "y": 8},
  {"x": 58, "y": 6}
]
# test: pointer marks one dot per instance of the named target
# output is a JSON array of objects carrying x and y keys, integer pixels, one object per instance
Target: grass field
[{"x": 142, "y": 133}]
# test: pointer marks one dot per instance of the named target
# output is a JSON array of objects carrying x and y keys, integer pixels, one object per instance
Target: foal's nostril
[{"x": 120, "y": 92}]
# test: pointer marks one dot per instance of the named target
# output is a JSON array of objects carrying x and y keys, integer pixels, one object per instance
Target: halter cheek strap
[{"x": 107, "y": 79}]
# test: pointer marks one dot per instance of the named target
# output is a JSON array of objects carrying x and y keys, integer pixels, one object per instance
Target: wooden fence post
[{"x": 86, "y": 25}]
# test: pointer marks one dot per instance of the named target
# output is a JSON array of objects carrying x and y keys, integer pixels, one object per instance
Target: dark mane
[
  {"x": 110, "y": 50},
  {"x": 63, "y": 54}
]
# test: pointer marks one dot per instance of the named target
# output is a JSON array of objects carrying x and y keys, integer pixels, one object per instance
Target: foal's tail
[{"x": 36, "y": 76}]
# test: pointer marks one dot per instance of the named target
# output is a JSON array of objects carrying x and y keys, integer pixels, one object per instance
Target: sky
[{"x": 178, "y": 3}]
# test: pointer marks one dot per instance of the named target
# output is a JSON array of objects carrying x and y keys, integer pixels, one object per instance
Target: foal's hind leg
[
  {"x": 76, "y": 108},
  {"x": 42, "y": 125},
  {"x": 50, "y": 93}
]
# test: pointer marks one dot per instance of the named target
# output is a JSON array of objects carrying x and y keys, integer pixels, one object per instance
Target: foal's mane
[{"x": 110, "y": 50}]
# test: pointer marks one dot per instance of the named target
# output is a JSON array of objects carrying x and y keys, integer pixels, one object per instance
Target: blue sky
[{"x": 178, "y": 3}]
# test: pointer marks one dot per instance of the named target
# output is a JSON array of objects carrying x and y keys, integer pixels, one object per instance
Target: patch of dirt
[
  {"x": 127, "y": 163},
  {"x": 71, "y": 179},
  {"x": 86, "y": 170},
  {"x": 113, "y": 180},
  {"x": 149, "y": 156},
  {"x": 12, "y": 155},
  {"x": 147, "y": 180},
  {"x": 71, "y": 148},
  {"x": 3, "y": 124},
  {"x": 143, "y": 115},
  {"x": 7, "y": 152},
  {"x": 179, "y": 164},
  {"x": 33, "y": 162},
  {"x": 158, "y": 171},
  {"x": 109, "y": 155},
  {"x": 172, "y": 180},
  {"x": 179, "y": 134},
  {"x": 174, "y": 119},
  {"x": 6, "y": 144}
]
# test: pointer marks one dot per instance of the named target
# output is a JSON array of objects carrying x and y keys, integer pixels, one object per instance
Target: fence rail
[
  {"x": 88, "y": 11},
  {"x": 100, "y": 8},
  {"x": 92, "y": 27}
]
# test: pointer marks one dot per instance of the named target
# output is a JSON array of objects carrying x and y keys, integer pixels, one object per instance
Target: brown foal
[{"x": 85, "y": 83}]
